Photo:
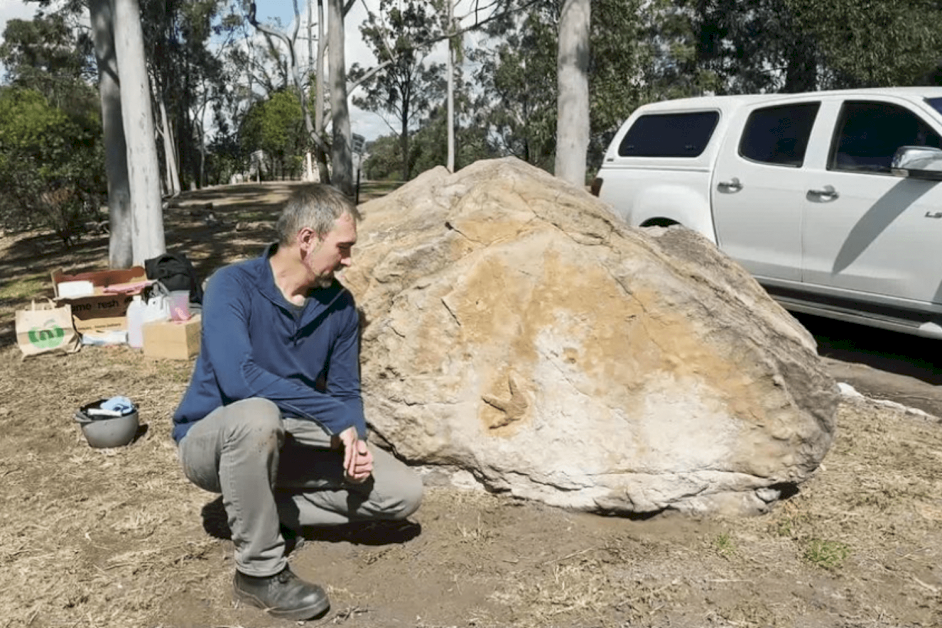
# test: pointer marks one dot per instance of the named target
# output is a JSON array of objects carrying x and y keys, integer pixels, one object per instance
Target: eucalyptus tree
[
  {"x": 184, "y": 40},
  {"x": 850, "y": 51},
  {"x": 120, "y": 247},
  {"x": 342, "y": 146},
  {"x": 335, "y": 81},
  {"x": 292, "y": 72},
  {"x": 751, "y": 46},
  {"x": 516, "y": 74},
  {"x": 401, "y": 35},
  {"x": 572, "y": 127},
  {"x": 147, "y": 227},
  {"x": 50, "y": 55}
]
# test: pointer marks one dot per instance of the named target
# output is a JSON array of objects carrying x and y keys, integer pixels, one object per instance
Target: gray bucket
[{"x": 106, "y": 431}]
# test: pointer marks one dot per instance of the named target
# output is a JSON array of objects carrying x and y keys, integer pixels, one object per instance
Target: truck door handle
[
  {"x": 730, "y": 186},
  {"x": 827, "y": 193}
]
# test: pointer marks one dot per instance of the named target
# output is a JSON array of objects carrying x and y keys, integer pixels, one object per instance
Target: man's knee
[
  {"x": 254, "y": 421},
  {"x": 407, "y": 496}
]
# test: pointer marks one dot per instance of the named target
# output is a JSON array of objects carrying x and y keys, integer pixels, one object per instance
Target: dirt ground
[{"x": 118, "y": 538}]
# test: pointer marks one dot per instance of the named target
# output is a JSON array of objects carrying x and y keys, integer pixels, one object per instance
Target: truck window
[
  {"x": 779, "y": 135},
  {"x": 935, "y": 103},
  {"x": 669, "y": 135},
  {"x": 868, "y": 134}
]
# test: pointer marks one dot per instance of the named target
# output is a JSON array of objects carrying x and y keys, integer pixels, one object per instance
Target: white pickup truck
[{"x": 832, "y": 200}]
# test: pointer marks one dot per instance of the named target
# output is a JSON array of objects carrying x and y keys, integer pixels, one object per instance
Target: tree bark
[
  {"x": 572, "y": 127},
  {"x": 320, "y": 95},
  {"x": 341, "y": 149},
  {"x": 450, "y": 122},
  {"x": 120, "y": 248},
  {"x": 404, "y": 138},
  {"x": 170, "y": 152},
  {"x": 147, "y": 230}
]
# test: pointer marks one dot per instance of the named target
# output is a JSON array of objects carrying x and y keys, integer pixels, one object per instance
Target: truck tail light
[{"x": 596, "y": 186}]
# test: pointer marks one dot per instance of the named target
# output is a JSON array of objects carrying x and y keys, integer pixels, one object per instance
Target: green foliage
[
  {"x": 724, "y": 545},
  {"x": 518, "y": 75},
  {"x": 853, "y": 52},
  {"x": 753, "y": 46},
  {"x": 385, "y": 160},
  {"x": 182, "y": 39},
  {"x": 275, "y": 126},
  {"x": 828, "y": 555},
  {"x": 407, "y": 88},
  {"x": 48, "y": 55},
  {"x": 617, "y": 83},
  {"x": 430, "y": 144},
  {"x": 518, "y": 80},
  {"x": 51, "y": 164}
]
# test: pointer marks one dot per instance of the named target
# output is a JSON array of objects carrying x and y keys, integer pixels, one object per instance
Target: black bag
[{"x": 175, "y": 272}]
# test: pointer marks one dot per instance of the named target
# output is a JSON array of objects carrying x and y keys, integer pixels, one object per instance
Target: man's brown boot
[{"x": 283, "y": 595}]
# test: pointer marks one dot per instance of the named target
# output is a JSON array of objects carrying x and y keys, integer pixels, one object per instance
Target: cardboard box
[
  {"x": 103, "y": 309},
  {"x": 175, "y": 341}
]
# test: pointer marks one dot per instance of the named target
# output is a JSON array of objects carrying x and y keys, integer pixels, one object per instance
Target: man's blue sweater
[{"x": 254, "y": 345}]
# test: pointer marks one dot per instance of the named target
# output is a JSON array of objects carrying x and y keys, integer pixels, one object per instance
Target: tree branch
[{"x": 367, "y": 76}]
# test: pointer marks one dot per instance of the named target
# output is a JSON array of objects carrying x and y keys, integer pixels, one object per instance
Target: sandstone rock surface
[{"x": 516, "y": 329}]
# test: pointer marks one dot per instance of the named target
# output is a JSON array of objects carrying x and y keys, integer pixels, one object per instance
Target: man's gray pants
[{"x": 272, "y": 470}]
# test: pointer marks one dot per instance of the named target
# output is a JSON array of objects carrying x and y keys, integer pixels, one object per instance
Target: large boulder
[{"x": 516, "y": 329}]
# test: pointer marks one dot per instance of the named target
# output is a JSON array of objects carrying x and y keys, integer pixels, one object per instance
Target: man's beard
[{"x": 325, "y": 281}]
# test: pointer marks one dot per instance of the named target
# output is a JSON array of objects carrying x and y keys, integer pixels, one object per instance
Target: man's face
[{"x": 325, "y": 254}]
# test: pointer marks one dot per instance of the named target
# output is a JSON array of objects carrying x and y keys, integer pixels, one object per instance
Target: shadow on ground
[
  {"x": 892, "y": 352},
  {"x": 215, "y": 523}
]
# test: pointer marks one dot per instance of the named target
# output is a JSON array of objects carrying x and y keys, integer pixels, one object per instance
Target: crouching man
[{"x": 254, "y": 426}]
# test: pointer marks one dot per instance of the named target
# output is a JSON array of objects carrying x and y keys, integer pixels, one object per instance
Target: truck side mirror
[{"x": 917, "y": 162}]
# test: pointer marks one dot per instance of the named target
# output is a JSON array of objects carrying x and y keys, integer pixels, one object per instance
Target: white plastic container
[
  {"x": 136, "y": 322},
  {"x": 75, "y": 289}
]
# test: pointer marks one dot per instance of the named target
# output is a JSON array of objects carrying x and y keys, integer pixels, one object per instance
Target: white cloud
[{"x": 13, "y": 10}]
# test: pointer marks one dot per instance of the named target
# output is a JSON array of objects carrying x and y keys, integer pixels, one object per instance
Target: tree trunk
[
  {"x": 120, "y": 251},
  {"x": 404, "y": 139},
  {"x": 147, "y": 230},
  {"x": 801, "y": 73},
  {"x": 341, "y": 150},
  {"x": 201, "y": 183},
  {"x": 170, "y": 152},
  {"x": 572, "y": 127},
  {"x": 308, "y": 170},
  {"x": 320, "y": 95},
  {"x": 450, "y": 121}
]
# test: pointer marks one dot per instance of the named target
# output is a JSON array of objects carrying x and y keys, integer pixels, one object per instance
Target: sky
[
  {"x": 13, "y": 10},
  {"x": 365, "y": 123}
]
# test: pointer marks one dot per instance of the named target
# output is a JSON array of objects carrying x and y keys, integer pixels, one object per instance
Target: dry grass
[{"x": 116, "y": 538}]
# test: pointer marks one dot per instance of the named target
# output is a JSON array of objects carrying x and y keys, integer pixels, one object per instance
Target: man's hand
[{"x": 357, "y": 459}]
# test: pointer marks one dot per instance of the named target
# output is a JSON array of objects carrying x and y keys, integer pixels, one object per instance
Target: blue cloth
[
  {"x": 118, "y": 404},
  {"x": 253, "y": 345}
]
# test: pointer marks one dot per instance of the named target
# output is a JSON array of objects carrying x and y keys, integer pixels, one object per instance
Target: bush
[{"x": 51, "y": 165}]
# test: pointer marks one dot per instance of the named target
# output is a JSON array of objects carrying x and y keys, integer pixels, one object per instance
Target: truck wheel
[{"x": 660, "y": 222}]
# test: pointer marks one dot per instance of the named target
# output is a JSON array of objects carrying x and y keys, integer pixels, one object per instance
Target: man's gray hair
[{"x": 316, "y": 206}]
